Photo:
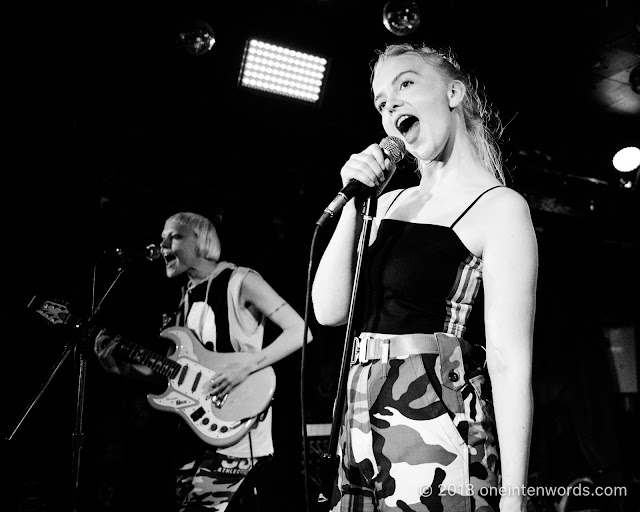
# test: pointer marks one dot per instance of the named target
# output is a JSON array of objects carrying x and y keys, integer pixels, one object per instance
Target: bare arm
[
  {"x": 258, "y": 293},
  {"x": 510, "y": 259},
  {"x": 333, "y": 282}
]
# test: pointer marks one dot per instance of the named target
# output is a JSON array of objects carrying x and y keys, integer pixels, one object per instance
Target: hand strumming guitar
[{"x": 233, "y": 374}]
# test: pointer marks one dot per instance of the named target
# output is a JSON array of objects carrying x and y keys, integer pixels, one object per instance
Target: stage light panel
[{"x": 280, "y": 70}]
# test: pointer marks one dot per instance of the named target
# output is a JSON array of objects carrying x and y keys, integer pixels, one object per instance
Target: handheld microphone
[
  {"x": 150, "y": 252},
  {"x": 393, "y": 149}
]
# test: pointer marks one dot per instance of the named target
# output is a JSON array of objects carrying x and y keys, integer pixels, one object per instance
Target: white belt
[{"x": 367, "y": 348}]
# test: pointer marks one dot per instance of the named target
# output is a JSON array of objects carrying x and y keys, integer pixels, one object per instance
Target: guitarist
[{"x": 226, "y": 307}]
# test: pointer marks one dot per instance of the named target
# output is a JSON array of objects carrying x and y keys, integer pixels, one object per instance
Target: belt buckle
[
  {"x": 355, "y": 350},
  {"x": 362, "y": 353},
  {"x": 386, "y": 350},
  {"x": 360, "y": 348}
]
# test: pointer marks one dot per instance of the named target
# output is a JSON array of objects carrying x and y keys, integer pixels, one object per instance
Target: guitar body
[
  {"x": 219, "y": 424},
  {"x": 218, "y": 421}
]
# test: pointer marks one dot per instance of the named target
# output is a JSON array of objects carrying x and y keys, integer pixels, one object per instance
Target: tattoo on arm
[{"x": 275, "y": 310}]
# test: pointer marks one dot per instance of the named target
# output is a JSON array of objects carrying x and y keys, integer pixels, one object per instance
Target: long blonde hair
[{"x": 481, "y": 122}]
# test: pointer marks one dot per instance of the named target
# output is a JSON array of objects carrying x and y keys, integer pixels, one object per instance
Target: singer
[
  {"x": 226, "y": 307},
  {"x": 422, "y": 423}
]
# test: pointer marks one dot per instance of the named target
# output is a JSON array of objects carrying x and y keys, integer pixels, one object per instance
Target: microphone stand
[
  {"x": 78, "y": 433},
  {"x": 329, "y": 462}
]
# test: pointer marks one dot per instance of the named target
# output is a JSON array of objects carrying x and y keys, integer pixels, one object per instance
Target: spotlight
[
  {"x": 284, "y": 71},
  {"x": 626, "y": 161}
]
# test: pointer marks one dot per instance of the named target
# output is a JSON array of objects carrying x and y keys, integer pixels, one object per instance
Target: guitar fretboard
[
  {"x": 58, "y": 313},
  {"x": 140, "y": 355}
]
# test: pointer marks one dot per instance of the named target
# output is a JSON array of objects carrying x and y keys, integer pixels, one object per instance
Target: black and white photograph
[{"x": 321, "y": 256}]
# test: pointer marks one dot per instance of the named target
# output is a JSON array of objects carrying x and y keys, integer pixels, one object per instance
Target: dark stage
[{"x": 111, "y": 126}]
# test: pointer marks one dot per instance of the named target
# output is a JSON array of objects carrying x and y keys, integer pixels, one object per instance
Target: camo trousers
[
  {"x": 209, "y": 483},
  {"x": 418, "y": 435}
]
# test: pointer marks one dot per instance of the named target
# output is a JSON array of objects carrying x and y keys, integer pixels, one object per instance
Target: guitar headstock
[{"x": 55, "y": 312}]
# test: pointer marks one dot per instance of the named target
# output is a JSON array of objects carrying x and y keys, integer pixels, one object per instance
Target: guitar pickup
[
  {"x": 183, "y": 374},
  {"x": 195, "y": 382},
  {"x": 197, "y": 414}
]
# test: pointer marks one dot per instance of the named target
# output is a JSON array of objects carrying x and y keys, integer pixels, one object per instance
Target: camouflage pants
[
  {"x": 418, "y": 435},
  {"x": 209, "y": 483}
]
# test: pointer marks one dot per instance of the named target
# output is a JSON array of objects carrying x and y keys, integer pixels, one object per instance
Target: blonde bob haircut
[{"x": 208, "y": 244}]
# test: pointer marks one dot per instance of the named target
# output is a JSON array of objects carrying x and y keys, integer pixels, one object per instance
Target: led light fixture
[{"x": 279, "y": 70}]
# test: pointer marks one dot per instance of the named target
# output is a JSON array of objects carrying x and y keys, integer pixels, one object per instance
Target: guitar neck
[
  {"x": 135, "y": 353},
  {"x": 58, "y": 313},
  {"x": 140, "y": 355}
]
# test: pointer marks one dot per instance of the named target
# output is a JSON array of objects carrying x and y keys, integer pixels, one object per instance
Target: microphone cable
[{"x": 307, "y": 307}]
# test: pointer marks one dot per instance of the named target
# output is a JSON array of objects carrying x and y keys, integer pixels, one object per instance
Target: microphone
[
  {"x": 393, "y": 149},
  {"x": 150, "y": 252}
]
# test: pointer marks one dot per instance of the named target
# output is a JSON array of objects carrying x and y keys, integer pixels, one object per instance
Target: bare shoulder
[
  {"x": 253, "y": 283},
  {"x": 257, "y": 293},
  {"x": 505, "y": 206},
  {"x": 508, "y": 196},
  {"x": 506, "y": 223}
]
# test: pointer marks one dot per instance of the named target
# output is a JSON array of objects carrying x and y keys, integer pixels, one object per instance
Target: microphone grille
[
  {"x": 153, "y": 252},
  {"x": 393, "y": 148}
]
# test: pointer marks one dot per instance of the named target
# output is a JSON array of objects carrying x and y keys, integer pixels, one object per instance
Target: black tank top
[{"x": 418, "y": 278}]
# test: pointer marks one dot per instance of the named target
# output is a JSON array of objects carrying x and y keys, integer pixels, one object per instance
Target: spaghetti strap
[
  {"x": 474, "y": 202},
  {"x": 394, "y": 200}
]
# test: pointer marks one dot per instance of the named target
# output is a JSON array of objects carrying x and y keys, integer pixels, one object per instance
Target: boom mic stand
[
  {"x": 82, "y": 348},
  {"x": 329, "y": 464}
]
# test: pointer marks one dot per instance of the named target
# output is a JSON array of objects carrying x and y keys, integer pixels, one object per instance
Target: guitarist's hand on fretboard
[
  {"x": 188, "y": 371},
  {"x": 104, "y": 346}
]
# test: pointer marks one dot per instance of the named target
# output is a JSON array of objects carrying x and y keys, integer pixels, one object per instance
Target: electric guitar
[{"x": 219, "y": 421}]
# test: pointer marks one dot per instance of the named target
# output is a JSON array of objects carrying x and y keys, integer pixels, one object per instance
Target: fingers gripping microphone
[{"x": 393, "y": 149}]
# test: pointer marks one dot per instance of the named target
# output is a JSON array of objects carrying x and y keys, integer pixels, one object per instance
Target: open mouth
[
  {"x": 169, "y": 259},
  {"x": 405, "y": 122}
]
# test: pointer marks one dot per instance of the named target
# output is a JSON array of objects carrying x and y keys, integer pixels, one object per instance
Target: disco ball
[
  {"x": 401, "y": 17},
  {"x": 197, "y": 37}
]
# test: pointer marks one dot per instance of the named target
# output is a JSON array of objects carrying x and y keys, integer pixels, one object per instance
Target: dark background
[{"x": 111, "y": 126}]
